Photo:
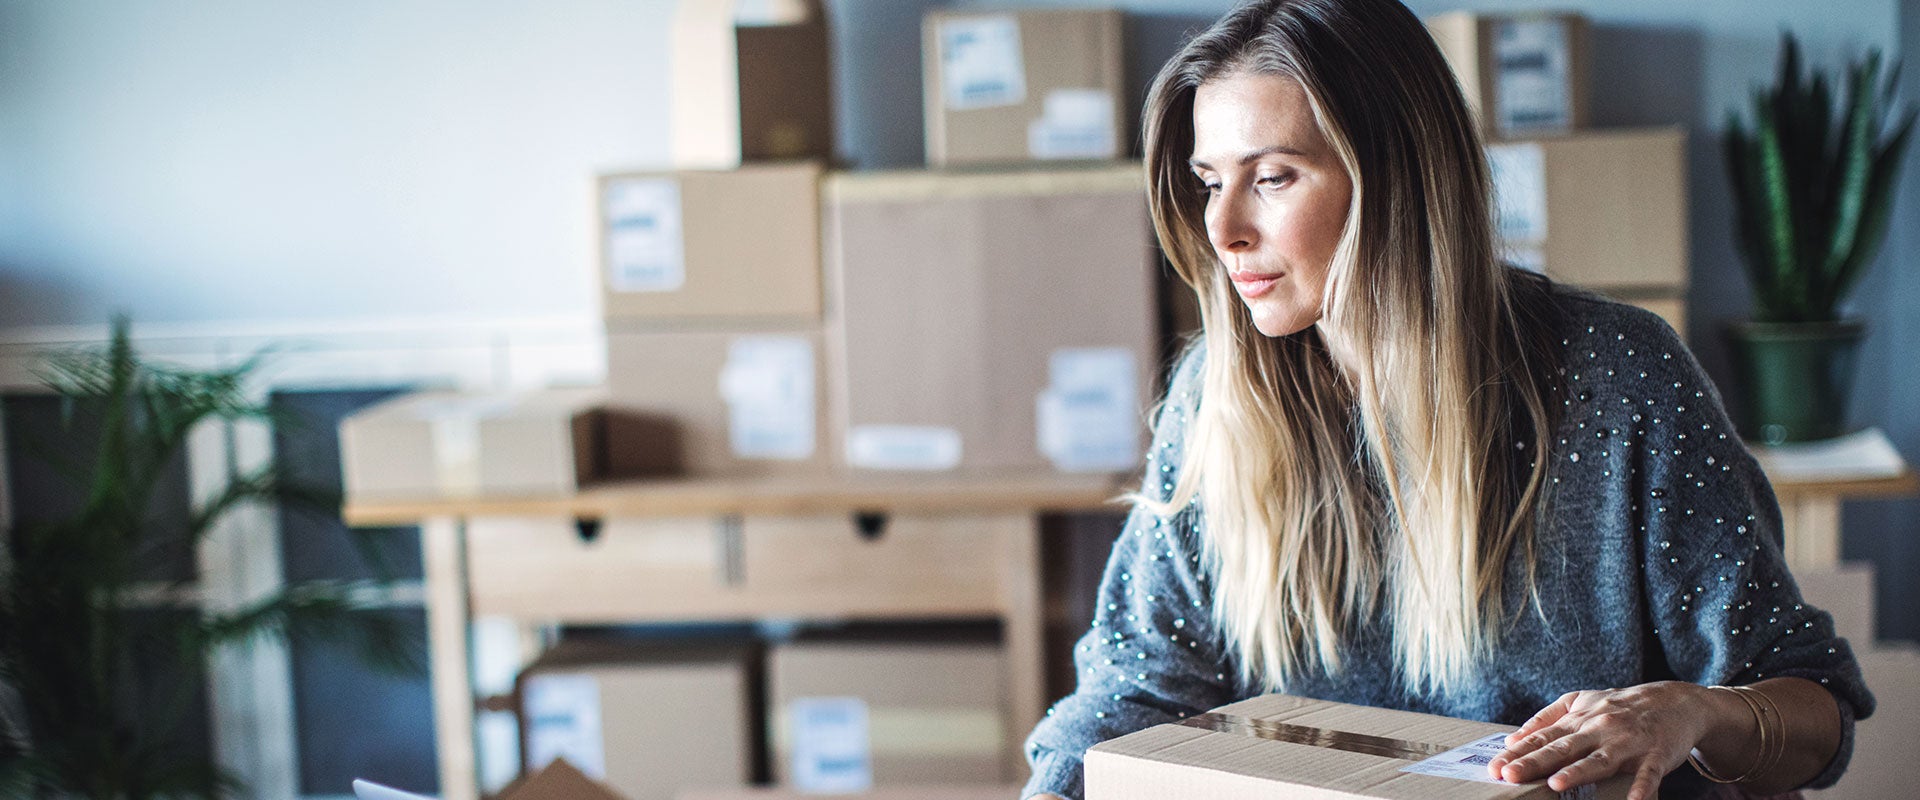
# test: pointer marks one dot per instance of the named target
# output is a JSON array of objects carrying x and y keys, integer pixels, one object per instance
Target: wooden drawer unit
[
  {"x": 881, "y": 565},
  {"x": 706, "y": 568},
  {"x": 543, "y": 568}
]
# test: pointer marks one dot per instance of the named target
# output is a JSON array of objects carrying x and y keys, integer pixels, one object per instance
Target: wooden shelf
[
  {"x": 972, "y": 493},
  {"x": 1902, "y": 485}
]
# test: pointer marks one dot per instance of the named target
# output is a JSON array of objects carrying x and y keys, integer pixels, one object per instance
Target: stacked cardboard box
[
  {"x": 750, "y": 82},
  {"x": 847, "y": 716},
  {"x": 1617, "y": 199},
  {"x": 644, "y": 721},
  {"x": 1603, "y": 210},
  {"x": 990, "y": 320},
  {"x": 448, "y": 443},
  {"x": 1010, "y": 87}
]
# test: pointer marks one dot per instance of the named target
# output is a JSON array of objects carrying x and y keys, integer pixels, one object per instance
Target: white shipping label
[
  {"x": 1469, "y": 761},
  {"x": 645, "y": 247},
  {"x": 563, "y": 720},
  {"x": 1088, "y": 418},
  {"x": 456, "y": 454},
  {"x": 980, "y": 62},
  {"x": 920, "y": 447},
  {"x": 1076, "y": 124},
  {"x": 768, "y": 385},
  {"x": 832, "y": 746},
  {"x": 1534, "y": 75},
  {"x": 1519, "y": 191}
]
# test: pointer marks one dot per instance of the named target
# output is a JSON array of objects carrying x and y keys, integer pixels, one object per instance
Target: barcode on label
[{"x": 1476, "y": 759}]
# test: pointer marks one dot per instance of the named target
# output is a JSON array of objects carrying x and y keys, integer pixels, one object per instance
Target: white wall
[{"x": 240, "y": 160}]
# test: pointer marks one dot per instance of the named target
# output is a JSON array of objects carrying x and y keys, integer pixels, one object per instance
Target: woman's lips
[{"x": 1255, "y": 284}]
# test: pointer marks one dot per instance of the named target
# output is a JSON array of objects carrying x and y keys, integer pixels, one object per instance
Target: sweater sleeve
[
  {"x": 1724, "y": 608},
  {"x": 1151, "y": 655}
]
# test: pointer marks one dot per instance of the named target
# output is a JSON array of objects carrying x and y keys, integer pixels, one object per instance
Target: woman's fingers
[
  {"x": 1539, "y": 754},
  {"x": 1646, "y": 781},
  {"x": 1546, "y": 716}
]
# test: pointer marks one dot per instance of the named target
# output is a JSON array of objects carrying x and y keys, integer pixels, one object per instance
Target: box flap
[{"x": 558, "y": 781}]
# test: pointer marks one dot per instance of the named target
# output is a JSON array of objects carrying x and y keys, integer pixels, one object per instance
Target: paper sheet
[
  {"x": 645, "y": 246},
  {"x": 1534, "y": 70},
  {"x": 832, "y": 746},
  {"x": 768, "y": 385},
  {"x": 980, "y": 62},
  {"x": 918, "y": 447},
  {"x": 1088, "y": 418},
  {"x": 1075, "y": 124},
  {"x": 1520, "y": 191},
  {"x": 563, "y": 720}
]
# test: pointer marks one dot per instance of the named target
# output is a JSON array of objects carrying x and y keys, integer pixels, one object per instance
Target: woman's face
[{"x": 1277, "y": 195}]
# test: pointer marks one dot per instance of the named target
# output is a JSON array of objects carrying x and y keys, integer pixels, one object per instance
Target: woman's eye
[
  {"x": 1209, "y": 187},
  {"x": 1276, "y": 181}
]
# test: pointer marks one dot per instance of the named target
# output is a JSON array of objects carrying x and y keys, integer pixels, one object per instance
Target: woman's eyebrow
[{"x": 1252, "y": 155}]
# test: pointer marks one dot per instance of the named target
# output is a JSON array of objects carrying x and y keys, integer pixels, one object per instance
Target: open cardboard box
[{"x": 1280, "y": 747}]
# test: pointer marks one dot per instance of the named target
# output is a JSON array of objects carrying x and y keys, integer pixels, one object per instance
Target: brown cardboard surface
[
  {"x": 953, "y": 290},
  {"x": 1061, "y": 49},
  {"x": 1466, "y": 40},
  {"x": 1616, "y": 209},
  {"x": 1846, "y": 591},
  {"x": 1180, "y": 761},
  {"x": 539, "y": 442},
  {"x": 669, "y": 721},
  {"x": 1885, "y": 745},
  {"x": 935, "y": 711},
  {"x": 677, "y": 375},
  {"x": 982, "y": 792},
  {"x": 751, "y": 248},
  {"x": 558, "y": 781},
  {"x": 752, "y": 92}
]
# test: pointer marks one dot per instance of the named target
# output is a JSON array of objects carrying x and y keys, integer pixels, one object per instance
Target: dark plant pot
[{"x": 1795, "y": 377}]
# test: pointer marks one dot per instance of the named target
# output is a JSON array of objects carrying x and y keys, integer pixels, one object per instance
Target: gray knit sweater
[{"x": 1658, "y": 558}]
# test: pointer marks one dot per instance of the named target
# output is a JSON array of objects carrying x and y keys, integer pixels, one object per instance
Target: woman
[{"x": 1393, "y": 472}]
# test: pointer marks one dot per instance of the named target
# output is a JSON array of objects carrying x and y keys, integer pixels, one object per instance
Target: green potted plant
[
  {"x": 74, "y": 645},
  {"x": 1813, "y": 191}
]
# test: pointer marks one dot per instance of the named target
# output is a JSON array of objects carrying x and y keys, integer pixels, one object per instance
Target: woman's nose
[{"x": 1229, "y": 225}]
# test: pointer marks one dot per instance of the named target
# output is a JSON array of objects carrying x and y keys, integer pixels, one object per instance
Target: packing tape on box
[{"x": 1315, "y": 737}]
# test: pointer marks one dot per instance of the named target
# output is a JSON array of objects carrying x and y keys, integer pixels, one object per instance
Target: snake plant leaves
[{"x": 1812, "y": 189}]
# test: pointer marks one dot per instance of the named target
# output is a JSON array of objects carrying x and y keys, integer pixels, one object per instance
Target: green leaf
[
  {"x": 1856, "y": 173},
  {"x": 1776, "y": 196}
]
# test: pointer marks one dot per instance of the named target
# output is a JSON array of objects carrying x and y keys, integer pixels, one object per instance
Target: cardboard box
[
  {"x": 1606, "y": 210},
  {"x": 559, "y": 780},
  {"x": 983, "y": 792},
  {"x": 1523, "y": 74},
  {"x": 990, "y": 321},
  {"x": 1030, "y": 85},
  {"x": 645, "y": 721},
  {"x": 748, "y": 403},
  {"x": 848, "y": 716},
  {"x": 1887, "y": 744},
  {"x": 446, "y": 443},
  {"x": 1279, "y": 746},
  {"x": 751, "y": 82},
  {"x": 696, "y": 247},
  {"x": 1847, "y": 592}
]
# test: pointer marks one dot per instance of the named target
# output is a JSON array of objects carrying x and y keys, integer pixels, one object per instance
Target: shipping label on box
[
  {"x": 645, "y": 251},
  {"x": 980, "y": 62},
  {"x": 832, "y": 749},
  {"x": 1533, "y": 57},
  {"x": 768, "y": 384}
]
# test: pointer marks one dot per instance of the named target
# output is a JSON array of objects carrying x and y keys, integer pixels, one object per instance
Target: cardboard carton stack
[{"x": 1604, "y": 209}]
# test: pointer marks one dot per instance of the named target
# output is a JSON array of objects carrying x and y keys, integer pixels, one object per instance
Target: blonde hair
[{"x": 1408, "y": 476}]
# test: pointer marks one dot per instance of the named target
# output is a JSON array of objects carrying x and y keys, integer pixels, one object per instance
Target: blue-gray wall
[{"x": 237, "y": 160}]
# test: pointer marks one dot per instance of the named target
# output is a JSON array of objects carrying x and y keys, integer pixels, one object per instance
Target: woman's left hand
[{"x": 1645, "y": 731}]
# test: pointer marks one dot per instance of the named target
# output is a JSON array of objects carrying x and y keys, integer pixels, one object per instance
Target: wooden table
[
  {"x": 1812, "y": 480},
  {"x": 463, "y": 540}
]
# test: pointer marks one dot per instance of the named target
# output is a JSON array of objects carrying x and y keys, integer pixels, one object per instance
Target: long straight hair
[{"x": 1393, "y": 465}]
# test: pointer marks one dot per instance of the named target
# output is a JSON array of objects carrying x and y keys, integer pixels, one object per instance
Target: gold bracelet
[
  {"x": 1766, "y": 743},
  {"x": 1772, "y": 713}
]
